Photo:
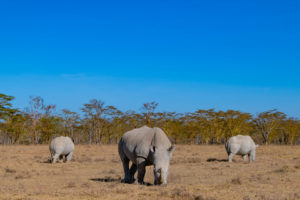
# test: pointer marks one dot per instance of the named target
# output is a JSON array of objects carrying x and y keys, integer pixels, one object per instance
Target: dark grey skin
[{"x": 143, "y": 147}]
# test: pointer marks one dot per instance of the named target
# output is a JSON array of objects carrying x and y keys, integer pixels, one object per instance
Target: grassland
[{"x": 196, "y": 172}]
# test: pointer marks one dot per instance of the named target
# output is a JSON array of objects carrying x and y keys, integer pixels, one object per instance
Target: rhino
[
  {"x": 241, "y": 145},
  {"x": 61, "y": 147},
  {"x": 144, "y": 147}
]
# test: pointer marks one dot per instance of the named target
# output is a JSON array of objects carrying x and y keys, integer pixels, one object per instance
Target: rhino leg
[
  {"x": 230, "y": 157},
  {"x": 249, "y": 156},
  {"x": 54, "y": 158},
  {"x": 61, "y": 158},
  {"x": 69, "y": 157},
  {"x": 132, "y": 171},
  {"x": 245, "y": 157},
  {"x": 252, "y": 156},
  {"x": 141, "y": 167},
  {"x": 125, "y": 162}
]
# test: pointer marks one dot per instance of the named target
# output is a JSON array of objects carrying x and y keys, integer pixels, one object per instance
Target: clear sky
[{"x": 185, "y": 55}]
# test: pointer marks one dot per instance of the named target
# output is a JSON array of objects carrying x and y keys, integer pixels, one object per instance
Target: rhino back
[
  {"x": 243, "y": 144},
  {"x": 62, "y": 145},
  {"x": 137, "y": 142}
]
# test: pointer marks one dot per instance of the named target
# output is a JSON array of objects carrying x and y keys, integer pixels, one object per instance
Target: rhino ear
[
  {"x": 152, "y": 149},
  {"x": 171, "y": 149}
]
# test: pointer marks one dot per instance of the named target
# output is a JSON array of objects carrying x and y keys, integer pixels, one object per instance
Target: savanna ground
[{"x": 196, "y": 172}]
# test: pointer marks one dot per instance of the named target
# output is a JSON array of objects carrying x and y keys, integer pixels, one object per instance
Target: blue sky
[{"x": 185, "y": 55}]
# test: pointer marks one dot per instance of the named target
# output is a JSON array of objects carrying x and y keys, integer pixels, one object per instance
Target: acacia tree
[
  {"x": 208, "y": 126},
  {"x": 94, "y": 119},
  {"x": 200, "y": 123},
  {"x": 131, "y": 120},
  {"x": 112, "y": 126},
  {"x": 148, "y": 111},
  {"x": 6, "y": 106},
  {"x": 70, "y": 122},
  {"x": 35, "y": 111},
  {"x": 14, "y": 127},
  {"x": 9, "y": 117},
  {"x": 106, "y": 124},
  {"x": 41, "y": 116},
  {"x": 267, "y": 122},
  {"x": 50, "y": 124},
  {"x": 290, "y": 129},
  {"x": 164, "y": 119},
  {"x": 177, "y": 129},
  {"x": 236, "y": 122}
]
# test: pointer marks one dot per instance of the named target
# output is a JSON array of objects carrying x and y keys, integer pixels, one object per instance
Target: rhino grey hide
[
  {"x": 145, "y": 146},
  {"x": 241, "y": 145},
  {"x": 61, "y": 147}
]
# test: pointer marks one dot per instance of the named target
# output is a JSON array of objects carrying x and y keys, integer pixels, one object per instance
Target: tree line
[{"x": 99, "y": 123}]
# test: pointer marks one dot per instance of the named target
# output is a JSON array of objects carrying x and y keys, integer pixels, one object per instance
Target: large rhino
[
  {"x": 241, "y": 145},
  {"x": 145, "y": 146},
  {"x": 61, "y": 146}
]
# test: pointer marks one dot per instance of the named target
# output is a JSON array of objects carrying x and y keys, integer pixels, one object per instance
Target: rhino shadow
[
  {"x": 216, "y": 160},
  {"x": 110, "y": 180},
  {"x": 45, "y": 161},
  {"x": 145, "y": 183},
  {"x": 49, "y": 160},
  {"x": 106, "y": 179}
]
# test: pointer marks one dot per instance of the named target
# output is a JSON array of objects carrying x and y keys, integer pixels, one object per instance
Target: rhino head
[{"x": 161, "y": 162}]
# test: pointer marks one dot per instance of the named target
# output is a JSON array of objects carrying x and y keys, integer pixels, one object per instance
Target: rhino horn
[{"x": 152, "y": 149}]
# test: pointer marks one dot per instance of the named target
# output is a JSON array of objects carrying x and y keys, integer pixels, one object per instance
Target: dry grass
[{"x": 196, "y": 172}]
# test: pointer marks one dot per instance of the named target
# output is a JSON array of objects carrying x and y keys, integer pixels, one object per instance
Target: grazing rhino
[
  {"x": 61, "y": 146},
  {"x": 241, "y": 145},
  {"x": 145, "y": 146}
]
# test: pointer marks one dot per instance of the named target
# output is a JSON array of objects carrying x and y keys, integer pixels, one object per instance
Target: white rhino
[
  {"x": 143, "y": 147},
  {"x": 241, "y": 145},
  {"x": 61, "y": 146}
]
